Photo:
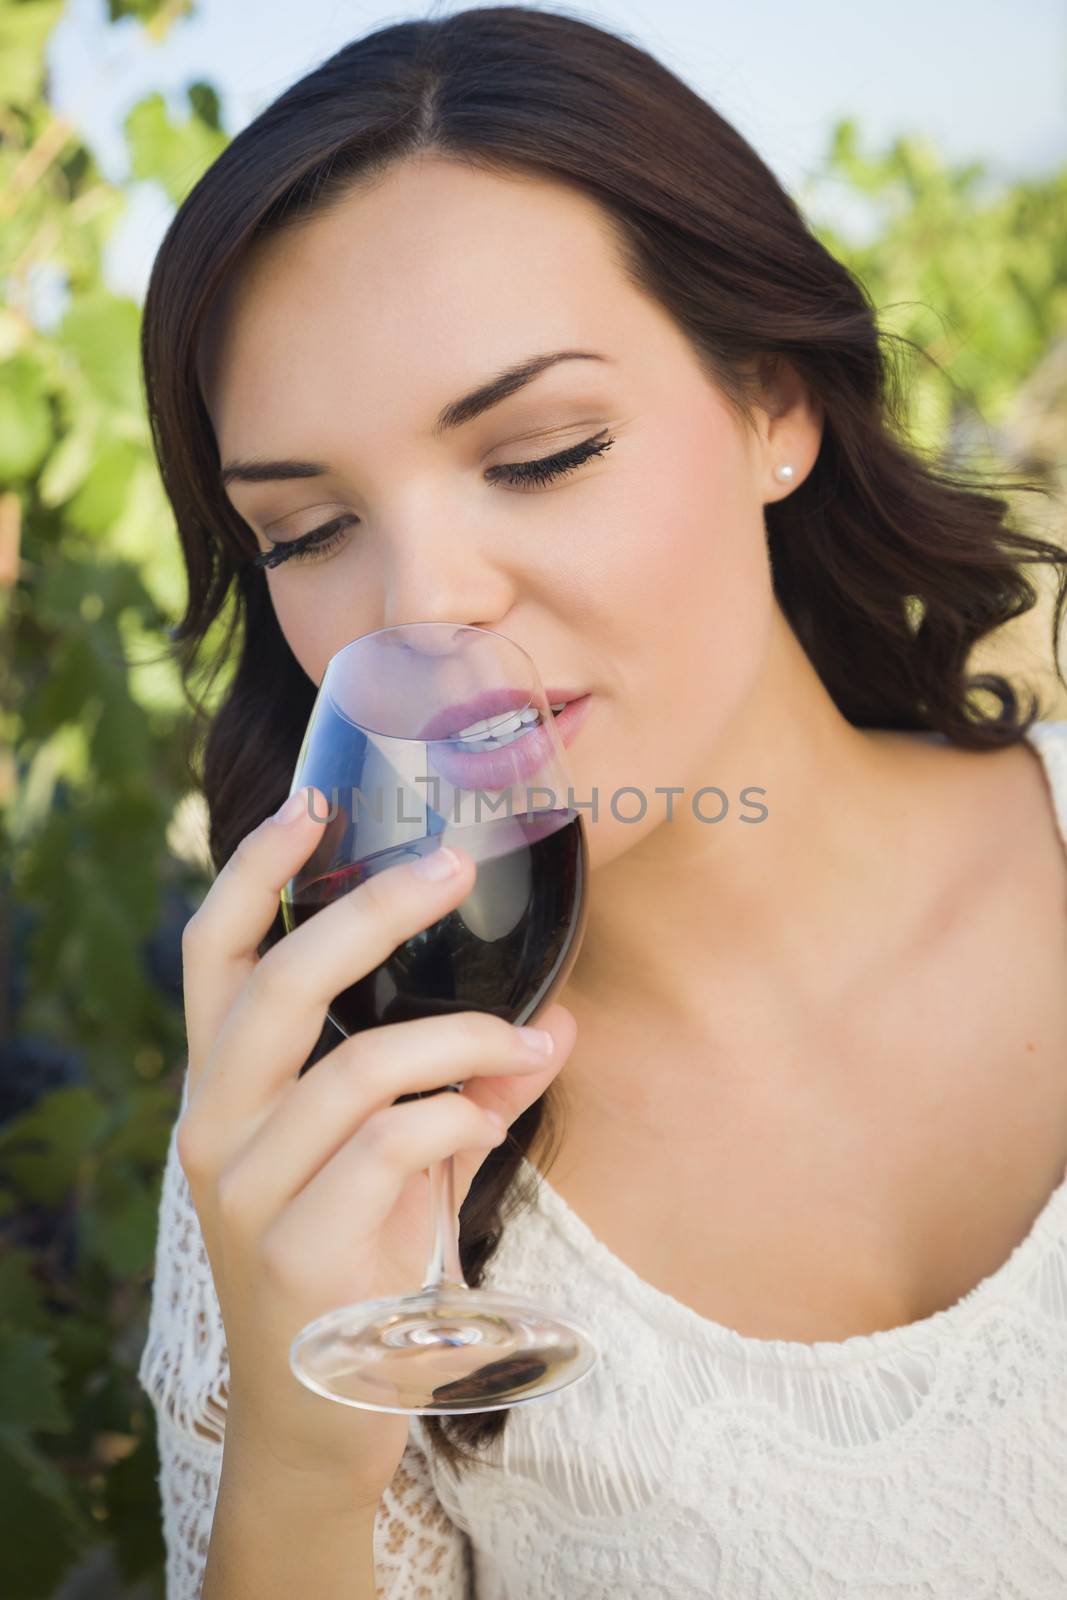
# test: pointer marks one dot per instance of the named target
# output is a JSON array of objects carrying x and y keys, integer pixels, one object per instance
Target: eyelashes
[
  {"x": 549, "y": 467},
  {"x": 519, "y": 474},
  {"x": 322, "y": 538}
]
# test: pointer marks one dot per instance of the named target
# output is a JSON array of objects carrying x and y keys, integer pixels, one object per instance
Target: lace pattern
[
  {"x": 418, "y": 1553},
  {"x": 927, "y": 1462}
]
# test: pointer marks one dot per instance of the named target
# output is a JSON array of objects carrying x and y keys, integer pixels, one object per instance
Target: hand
[{"x": 312, "y": 1191}]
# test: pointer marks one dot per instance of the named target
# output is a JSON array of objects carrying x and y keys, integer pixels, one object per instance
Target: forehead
[{"x": 434, "y": 273}]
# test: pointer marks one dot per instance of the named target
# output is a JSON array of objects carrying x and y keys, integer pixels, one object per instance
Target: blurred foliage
[
  {"x": 157, "y": 18},
  {"x": 973, "y": 271},
  {"x": 101, "y": 864},
  {"x": 973, "y": 274},
  {"x": 94, "y": 738}
]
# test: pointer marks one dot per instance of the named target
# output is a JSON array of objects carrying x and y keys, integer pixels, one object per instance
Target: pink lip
[
  {"x": 513, "y": 764},
  {"x": 460, "y": 715}
]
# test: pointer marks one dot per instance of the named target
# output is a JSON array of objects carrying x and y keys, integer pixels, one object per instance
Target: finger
[
  {"x": 511, "y": 1094},
  {"x": 278, "y": 1015},
  {"x": 320, "y": 1112},
  {"x": 221, "y": 939},
  {"x": 350, "y": 1198}
]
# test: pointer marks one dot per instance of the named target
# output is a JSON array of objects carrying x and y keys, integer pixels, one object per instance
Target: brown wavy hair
[{"x": 888, "y": 566}]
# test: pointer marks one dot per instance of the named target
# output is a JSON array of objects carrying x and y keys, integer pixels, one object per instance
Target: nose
[
  {"x": 439, "y": 639},
  {"x": 442, "y": 577}
]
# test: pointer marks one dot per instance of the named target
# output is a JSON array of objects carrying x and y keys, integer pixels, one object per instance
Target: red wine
[{"x": 502, "y": 949}]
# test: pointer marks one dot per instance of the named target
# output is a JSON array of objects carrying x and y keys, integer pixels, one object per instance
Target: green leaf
[
  {"x": 109, "y": 959},
  {"x": 120, "y": 1230},
  {"x": 204, "y": 99},
  {"x": 21, "y": 1298},
  {"x": 69, "y": 685},
  {"x": 102, "y": 497},
  {"x": 25, "y": 417},
  {"x": 41, "y": 1532},
  {"x": 24, "y": 30},
  {"x": 132, "y": 1500},
  {"x": 123, "y": 836},
  {"x": 144, "y": 10},
  {"x": 29, "y": 1383},
  {"x": 64, "y": 584},
  {"x": 84, "y": 1348},
  {"x": 142, "y": 1130},
  {"x": 41, "y": 1150},
  {"x": 176, "y": 154},
  {"x": 67, "y": 466},
  {"x": 154, "y": 679},
  {"x": 122, "y": 742},
  {"x": 100, "y": 331}
]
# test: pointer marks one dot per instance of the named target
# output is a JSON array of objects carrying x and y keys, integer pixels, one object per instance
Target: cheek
[
  {"x": 689, "y": 586},
  {"x": 305, "y": 640},
  {"x": 317, "y": 617},
  {"x": 683, "y": 615}
]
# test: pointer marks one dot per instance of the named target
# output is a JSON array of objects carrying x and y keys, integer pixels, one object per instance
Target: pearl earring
[{"x": 785, "y": 473}]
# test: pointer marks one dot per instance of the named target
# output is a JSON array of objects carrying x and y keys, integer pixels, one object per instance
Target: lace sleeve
[{"x": 419, "y": 1553}]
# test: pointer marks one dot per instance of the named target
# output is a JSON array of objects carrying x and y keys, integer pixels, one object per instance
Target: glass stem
[{"x": 443, "y": 1269}]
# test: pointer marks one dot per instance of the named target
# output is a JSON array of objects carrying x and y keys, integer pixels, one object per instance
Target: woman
[{"x": 807, "y": 1093}]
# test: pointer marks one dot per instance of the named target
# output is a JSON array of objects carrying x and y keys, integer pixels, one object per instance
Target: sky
[{"x": 984, "y": 80}]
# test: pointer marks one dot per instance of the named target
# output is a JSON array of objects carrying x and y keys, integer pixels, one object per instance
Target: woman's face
[{"x": 640, "y": 578}]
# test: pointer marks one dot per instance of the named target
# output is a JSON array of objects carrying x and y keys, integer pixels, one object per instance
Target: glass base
[{"x": 441, "y": 1352}]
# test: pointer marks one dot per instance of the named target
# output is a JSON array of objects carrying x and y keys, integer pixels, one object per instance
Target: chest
[{"x": 858, "y": 1177}]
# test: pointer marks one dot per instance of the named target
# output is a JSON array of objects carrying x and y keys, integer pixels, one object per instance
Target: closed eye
[
  {"x": 519, "y": 474},
  {"x": 549, "y": 467}
]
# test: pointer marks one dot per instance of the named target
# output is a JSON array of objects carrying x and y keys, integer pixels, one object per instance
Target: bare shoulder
[
  {"x": 1012, "y": 806},
  {"x": 991, "y": 814}
]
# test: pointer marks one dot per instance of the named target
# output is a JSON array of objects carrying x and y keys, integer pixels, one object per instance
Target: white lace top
[{"x": 692, "y": 1462}]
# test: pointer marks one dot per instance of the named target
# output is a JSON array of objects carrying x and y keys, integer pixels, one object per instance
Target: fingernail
[
  {"x": 440, "y": 863},
  {"x": 538, "y": 1039},
  {"x": 293, "y": 807}
]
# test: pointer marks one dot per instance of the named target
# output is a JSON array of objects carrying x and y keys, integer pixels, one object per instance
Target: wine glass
[{"x": 421, "y": 734}]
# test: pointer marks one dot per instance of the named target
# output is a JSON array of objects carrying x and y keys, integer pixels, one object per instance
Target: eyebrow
[{"x": 454, "y": 415}]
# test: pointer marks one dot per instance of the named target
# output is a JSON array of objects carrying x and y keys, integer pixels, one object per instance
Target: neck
[{"x": 715, "y": 923}]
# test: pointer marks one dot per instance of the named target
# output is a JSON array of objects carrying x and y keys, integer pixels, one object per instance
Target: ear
[{"x": 789, "y": 421}]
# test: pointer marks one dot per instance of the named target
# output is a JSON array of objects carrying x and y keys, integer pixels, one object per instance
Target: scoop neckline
[{"x": 682, "y": 1319}]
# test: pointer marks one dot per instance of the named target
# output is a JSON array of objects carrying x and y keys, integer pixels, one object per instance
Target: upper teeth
[
  {"x": 504, "y": 726},
  {"x": 508, "y": 722}
]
